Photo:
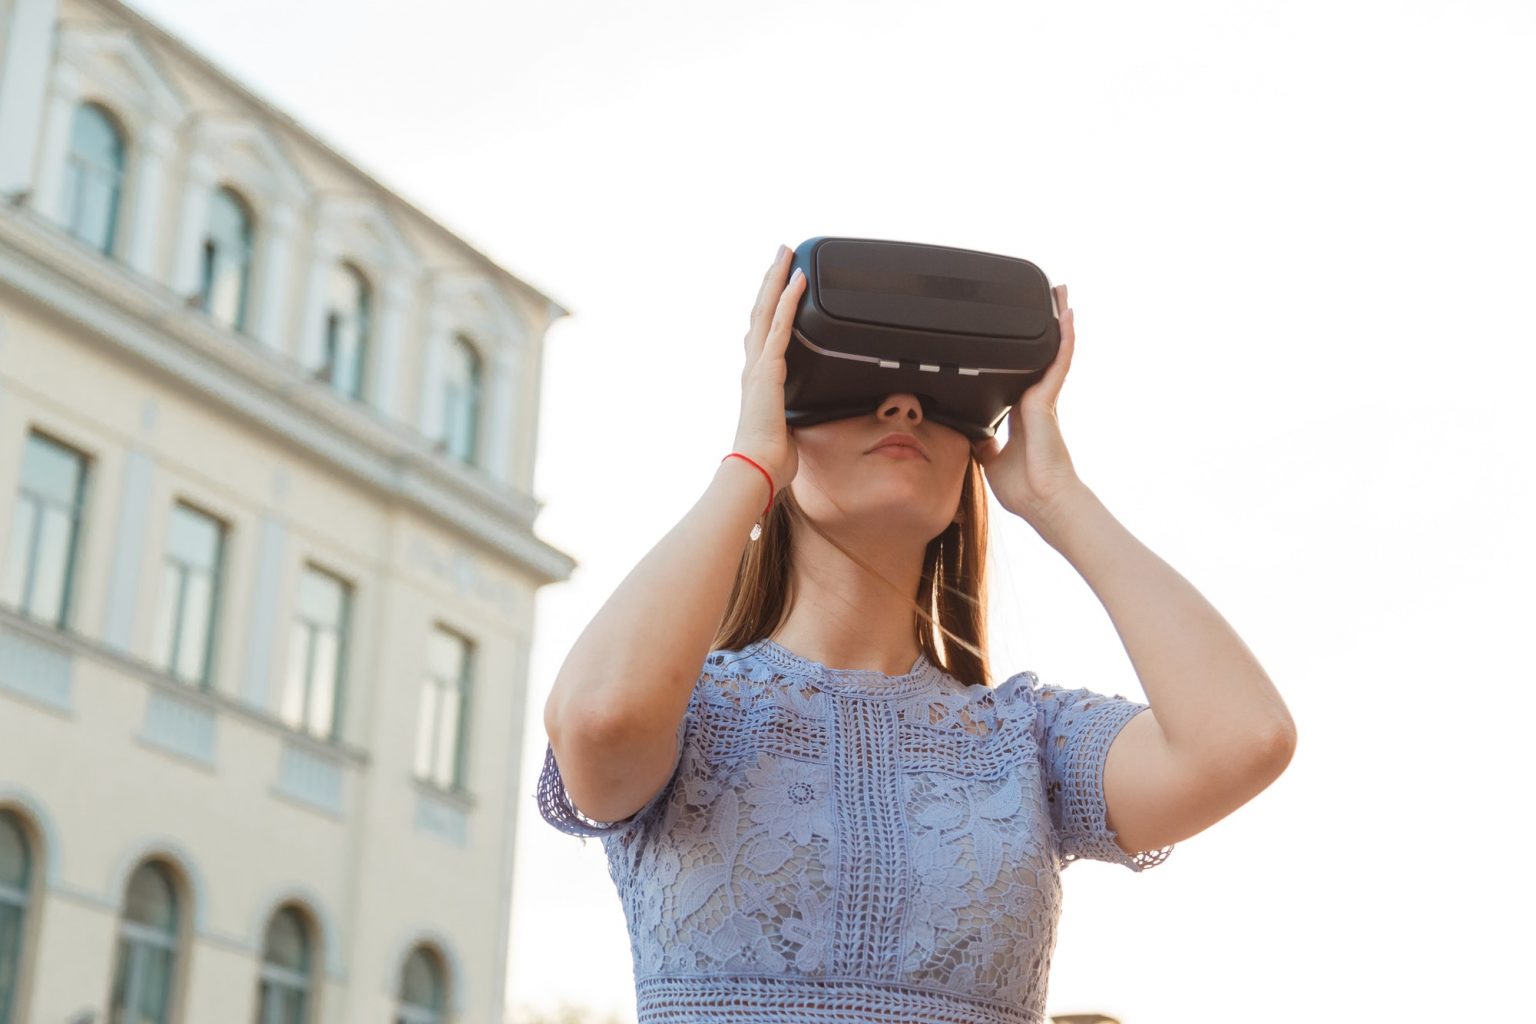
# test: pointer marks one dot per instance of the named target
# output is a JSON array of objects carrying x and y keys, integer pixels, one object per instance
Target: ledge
[
  {"x": 123, "y": 311},
  {"x": 67, "y": 643}
]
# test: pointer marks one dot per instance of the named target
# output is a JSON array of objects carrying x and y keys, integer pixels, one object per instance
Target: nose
[{"x": 901, "y": 407}]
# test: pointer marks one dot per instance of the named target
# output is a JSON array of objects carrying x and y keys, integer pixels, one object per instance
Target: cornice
[{"x": 123, "y": 311}]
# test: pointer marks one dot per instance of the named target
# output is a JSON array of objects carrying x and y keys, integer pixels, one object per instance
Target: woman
[{"x": 815, "y": 805}]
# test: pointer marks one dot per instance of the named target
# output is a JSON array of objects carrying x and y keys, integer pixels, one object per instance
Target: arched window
[
  {"x": 93, "y": 177},
  {"x": 227, "y": 259},
  {"x": 461, "y": 399},
  {"x": 347, "y": 325},
  {"x": 423, "y": 988},
  {"x": 146, "y": 949},
  {"x": 15, "y": 883},
  {"x": 286, "y": 974}
]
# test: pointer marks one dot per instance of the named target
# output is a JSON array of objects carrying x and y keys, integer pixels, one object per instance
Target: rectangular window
[
  {"x": 317, "y": 651},
  {"x": 440, "y": 739},
  {"x": 45, "y": 530},
  {"x": 189, "y": 594}
]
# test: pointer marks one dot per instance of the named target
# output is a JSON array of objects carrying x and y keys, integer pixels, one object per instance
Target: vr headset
[{"x": 965, "y": 331}]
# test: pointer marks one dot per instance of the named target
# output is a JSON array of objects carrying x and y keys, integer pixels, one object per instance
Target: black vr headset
[{"x": 967, "y": 332}]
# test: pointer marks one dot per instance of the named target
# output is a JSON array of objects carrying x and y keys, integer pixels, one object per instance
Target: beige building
[{"x": 267, "y": 558}]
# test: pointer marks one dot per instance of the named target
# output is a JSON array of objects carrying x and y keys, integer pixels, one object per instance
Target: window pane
[
  {"x": 421, "y": 983},
  {"x": 447, "y": 745},
  {"x": 94, "y": 177},
  {"x": 287, "y": 942},
  {"x": 426, "y": 728},
  {"x": 196, "y": 628},
  {"x": 189, "y": 591},
  {"x": 18, "y": 552},
  {"x": 96, "y": 211},
  {"x": 446, "y": 655},
  {"x": 15, "y": 874},
  {"x": 167, "y": 613},
  {"x": 461, "y": 399},
  {"x": 13, "y": 856},
  {"x": 281, "y": 1004},
  {"x": 40, "y": 552},
  {"x": 50, "y": 573},
  {"x": 269, "y": 1009},
  {"x": 226, "y": 292},
  {"x": 227, "y": 266},
  {"x": 439, "y": 736},
  {"x": 322, "y": 688},
  {"x": 151, "y": 900},
  {"x": 293, "y": 1007},
  {"x": 10, "y": 959},
  {"x": 126, "y": 962},
  {"x": 347, "y": 329},
  {"x": 155, "y": 995},
  {"x": 300, "y": 640},
  {"x": 194, "y": 539},
  {"x": 323, "y": 611},
  {"x": 51, "y": 471},
  {"x": 322, "y": 598}
]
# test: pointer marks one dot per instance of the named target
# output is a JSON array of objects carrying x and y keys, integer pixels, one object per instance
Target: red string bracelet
[{"x": 757, "y": 530}]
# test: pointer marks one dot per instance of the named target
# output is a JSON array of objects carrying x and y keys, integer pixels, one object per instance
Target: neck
[{"x": 842, "y": 616}]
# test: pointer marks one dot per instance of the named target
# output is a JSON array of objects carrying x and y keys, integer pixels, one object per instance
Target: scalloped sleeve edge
[{"x": 557, "y": 808}]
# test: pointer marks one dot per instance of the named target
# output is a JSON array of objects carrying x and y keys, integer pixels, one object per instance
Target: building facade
[{"x": 267, "y": 558}]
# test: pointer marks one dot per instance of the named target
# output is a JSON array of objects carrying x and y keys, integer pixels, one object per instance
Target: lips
[{"x": 899, "y": 440}]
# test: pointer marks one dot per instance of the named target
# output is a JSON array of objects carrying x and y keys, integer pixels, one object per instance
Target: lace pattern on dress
[
  {"x": 839, "y": 845},
  {"x": 1082, "y": 725}
]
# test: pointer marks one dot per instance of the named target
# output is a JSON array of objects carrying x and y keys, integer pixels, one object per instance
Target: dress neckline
[{"x": 856, "y": 680}]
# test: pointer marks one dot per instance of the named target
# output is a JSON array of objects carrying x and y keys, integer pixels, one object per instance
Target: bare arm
[
  {"x": 613, "y": 714},
  {"x": 1217, "y": 731},
  {"x": 623, "y": 690}
]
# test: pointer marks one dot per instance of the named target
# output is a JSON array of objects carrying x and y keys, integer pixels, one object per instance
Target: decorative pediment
[
  {"x": 356, "y": 227},
  {"x": 465, "y": 300},
  {"x": 108, "y": 64},
  {"x": 242, "y": 151}
]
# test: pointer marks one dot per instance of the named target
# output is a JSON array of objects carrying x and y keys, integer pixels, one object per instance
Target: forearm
[
  {"x": 632, "y": 670},
  {"x": 1209, "y": 694}
]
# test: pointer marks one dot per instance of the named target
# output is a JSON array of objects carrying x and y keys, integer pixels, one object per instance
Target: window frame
[
  {"x": 434, "y": 687},
  {"x": 362, "y": 315},
  {"x": 215, "y": 601},
  {"x": 41, "y": 504},
  {"x": 461, "y": 342},
  {"x": 415, "y": 1013},
  {"x": 79, "y": 172},
  {"x": 17, "y": 901},
  {"x": 211, "y": 261},
  {"x": 343, "y": 655},
  {"x": 285, "y": 980},
  {"x": 139, "y": 945}
]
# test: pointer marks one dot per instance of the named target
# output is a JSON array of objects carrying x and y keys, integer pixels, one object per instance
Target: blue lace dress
[{"x": 841, "y": 846}]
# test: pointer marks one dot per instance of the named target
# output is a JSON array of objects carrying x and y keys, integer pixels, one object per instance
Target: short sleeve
[
  {"x": 1076, "y": 730},
  {"x": 556, "y": 807}
]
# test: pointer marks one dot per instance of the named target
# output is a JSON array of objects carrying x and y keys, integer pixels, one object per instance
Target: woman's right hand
[{"x": 761, "y": 431}]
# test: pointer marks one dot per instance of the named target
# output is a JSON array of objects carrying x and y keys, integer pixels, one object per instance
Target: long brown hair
[{"x": 949, "y": 609}]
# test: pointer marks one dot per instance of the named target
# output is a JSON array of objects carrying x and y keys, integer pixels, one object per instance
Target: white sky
[{"x": 1298, "y": 237}]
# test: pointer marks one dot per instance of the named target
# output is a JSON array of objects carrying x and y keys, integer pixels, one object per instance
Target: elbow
[
  {"x": 1275, "y": 746},
  {"x": 587, "y": 723}
]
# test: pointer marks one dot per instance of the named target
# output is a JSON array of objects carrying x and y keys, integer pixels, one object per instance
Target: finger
[
  {"x": 986, "y": 449},
  {"x": 1045, "y": 391},
  {"x": 777, "y": 339},
  {"x": 763, "y": 307}
]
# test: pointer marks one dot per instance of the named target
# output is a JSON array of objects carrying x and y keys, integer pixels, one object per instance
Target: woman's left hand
[{"x": 1032, "y": 475}]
